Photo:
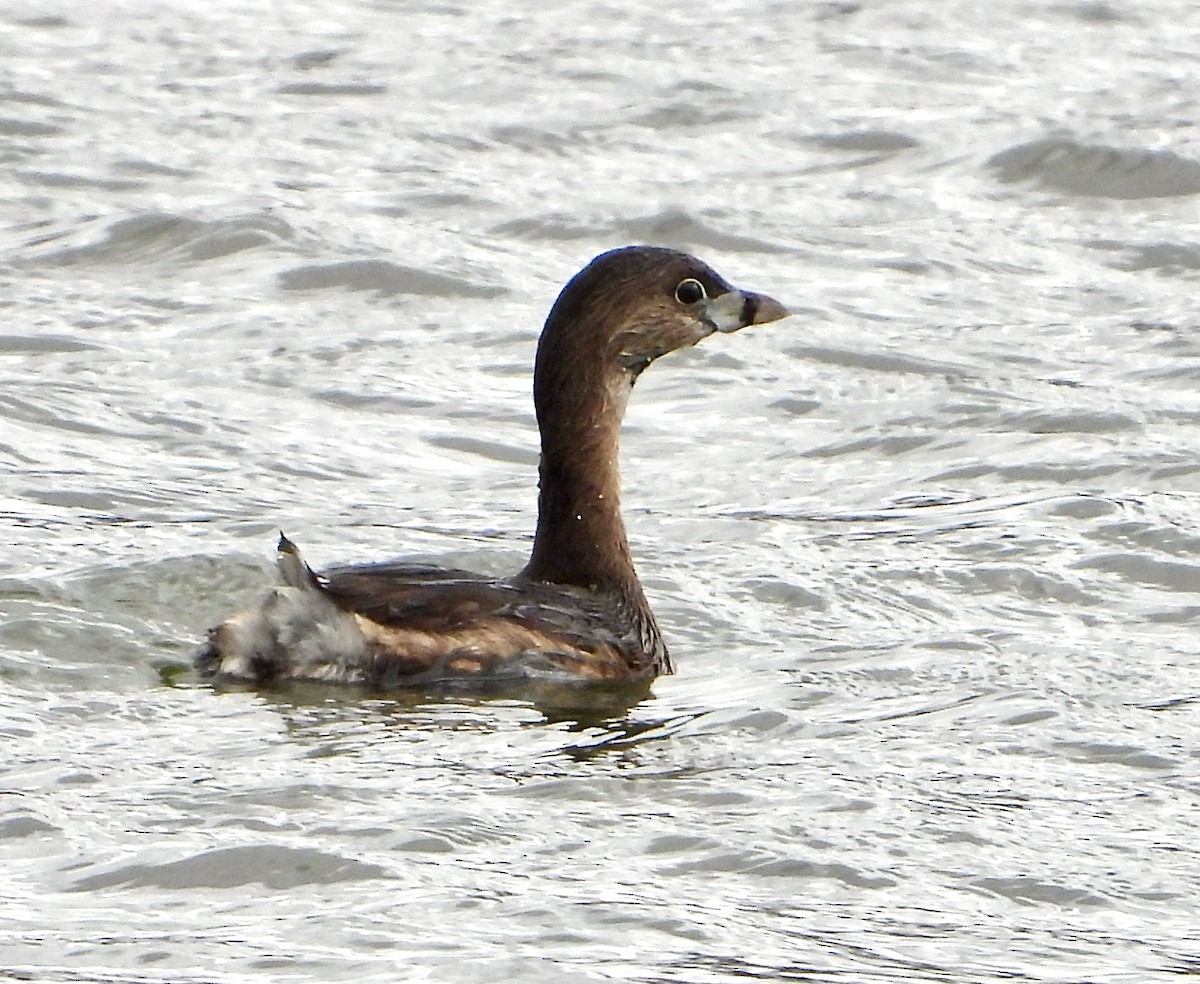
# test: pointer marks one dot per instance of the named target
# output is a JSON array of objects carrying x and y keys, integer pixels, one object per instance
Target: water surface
[{"x": 927, "y": 554}]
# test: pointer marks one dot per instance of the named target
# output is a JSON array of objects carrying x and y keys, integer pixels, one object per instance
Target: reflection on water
[{"x": 928, "y": 553}]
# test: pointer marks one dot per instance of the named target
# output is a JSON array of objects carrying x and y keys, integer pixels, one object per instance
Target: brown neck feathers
[{"x": 580, "y": 536}]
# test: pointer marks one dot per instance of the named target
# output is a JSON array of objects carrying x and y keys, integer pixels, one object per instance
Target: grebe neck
[{"x": 580, "y": 537}]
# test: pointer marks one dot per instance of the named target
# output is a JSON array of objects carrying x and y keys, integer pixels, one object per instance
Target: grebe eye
[{"x": 690, "y": 291}]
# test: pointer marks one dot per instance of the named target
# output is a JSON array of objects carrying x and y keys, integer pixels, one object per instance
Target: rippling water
[{"x": 928, "y": 553}]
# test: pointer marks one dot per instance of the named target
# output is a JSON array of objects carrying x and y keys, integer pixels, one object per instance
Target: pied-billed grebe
[{"x": 577, "y": 610}]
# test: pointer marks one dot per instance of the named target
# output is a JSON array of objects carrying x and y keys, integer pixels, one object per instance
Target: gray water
[{"x": 927, "y": 554}]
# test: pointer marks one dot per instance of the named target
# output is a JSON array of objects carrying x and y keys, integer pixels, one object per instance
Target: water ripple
[{"x": 1064, "y": 164}]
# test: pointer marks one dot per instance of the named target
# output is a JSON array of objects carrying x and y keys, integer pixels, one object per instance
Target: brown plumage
[{"x": 577, "y": 610}]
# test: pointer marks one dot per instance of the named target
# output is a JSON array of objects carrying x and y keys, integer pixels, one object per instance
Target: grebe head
[{"x": 631, "y": 305}]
